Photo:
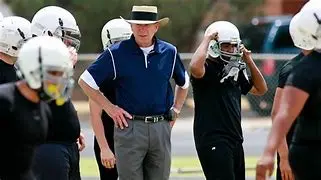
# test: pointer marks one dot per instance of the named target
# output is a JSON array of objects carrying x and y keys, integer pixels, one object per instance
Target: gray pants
[{"x": 143, "y": 150}]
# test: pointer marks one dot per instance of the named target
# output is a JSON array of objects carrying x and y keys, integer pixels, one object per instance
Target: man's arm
[
  {"x": 179, "y": 99},
  {"x": 103, "y": 69},
  {"x": 283, "y": 148},
  {"x": 283, "y": 75},
  {"x": 106, "y": 155},
  {"x": 98, "y": 127},
  {"x": 196, "y": 65},
  {"x": 115, "y": 112},
  {"x": 298, "y": 88},
  {"x": 259, "y": 85},
  {"x": 181, "y": 78}
]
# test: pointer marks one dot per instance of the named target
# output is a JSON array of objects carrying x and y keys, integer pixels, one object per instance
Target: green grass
[{"x": 89, "y": 168}]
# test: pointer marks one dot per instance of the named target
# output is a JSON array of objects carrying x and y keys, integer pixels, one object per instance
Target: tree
[{"x": 185, "y": 16}]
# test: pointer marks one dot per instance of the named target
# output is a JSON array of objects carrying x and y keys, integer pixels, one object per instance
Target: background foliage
[{"x": 187, "y": 16}]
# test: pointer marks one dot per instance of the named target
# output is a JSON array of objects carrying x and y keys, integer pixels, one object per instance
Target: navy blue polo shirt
[{"x": 142, "y": 85}]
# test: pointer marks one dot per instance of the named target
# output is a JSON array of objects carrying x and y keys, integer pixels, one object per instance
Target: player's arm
[{"x": 197, "y": 63}]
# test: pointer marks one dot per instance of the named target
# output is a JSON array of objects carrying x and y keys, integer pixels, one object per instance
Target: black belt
[{"x": 149, "y": 119}]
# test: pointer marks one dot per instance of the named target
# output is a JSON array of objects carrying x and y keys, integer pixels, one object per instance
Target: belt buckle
[{"x": 151, "y": 119}]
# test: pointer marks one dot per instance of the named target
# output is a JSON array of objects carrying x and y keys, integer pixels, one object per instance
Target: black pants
[
  {"x": 222, "y": 160},
  {"x": 57, "y": 161},
  {"x": 305, "y": 161},
  {"x": 105, "y": 173}
]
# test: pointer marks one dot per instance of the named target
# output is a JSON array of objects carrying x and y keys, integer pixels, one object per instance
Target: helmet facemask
[
  {"x": 232, "y": 60},
  {"x": 70, "y": 36},
  {"x": 216, "y": 50},
  {"x": 56, "y": 81},
  {"x": 113, "y": 40}
]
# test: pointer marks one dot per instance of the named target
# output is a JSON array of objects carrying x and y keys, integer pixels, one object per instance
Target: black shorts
[
  {"x": 54, "y": 161},
  {"x": 305, "y": 161},
  {"x": 222, "y": 160}
]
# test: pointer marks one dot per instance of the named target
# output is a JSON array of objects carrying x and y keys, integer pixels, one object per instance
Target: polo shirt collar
[{"x": 137, "y": 48}]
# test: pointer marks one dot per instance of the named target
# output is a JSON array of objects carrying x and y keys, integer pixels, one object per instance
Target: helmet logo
[{"x": 21, "y": 33}]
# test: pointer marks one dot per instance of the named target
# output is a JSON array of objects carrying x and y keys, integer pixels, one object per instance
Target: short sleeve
[
  {"x": 103, "y": 69},
  {"x": 287, "y": 68},
  {"x": 283, "y": 75},
  {"x": 303, "y": 77},
  {"x": 180, "y": 75},
  {"x": 245, "y": 82}
]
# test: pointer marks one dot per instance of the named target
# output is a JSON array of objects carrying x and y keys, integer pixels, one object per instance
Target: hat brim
[{"x": 162, "y": 21}]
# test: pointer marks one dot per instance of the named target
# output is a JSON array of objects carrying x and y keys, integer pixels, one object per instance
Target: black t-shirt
[
  {"x": 23, "y": 126},
  {"x": 64, "y": 127},
  {"x": 218, "y": 105},
  {"x": 108, "y": 89},
  {"x": 7, "y": 73},
  {"x": 287, "y": 68},
  {"x": 283, "y": 76},
  {"x": 307, "y": 77}
]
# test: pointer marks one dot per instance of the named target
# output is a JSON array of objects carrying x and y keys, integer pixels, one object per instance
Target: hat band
[{"x": 145, "y": 16}]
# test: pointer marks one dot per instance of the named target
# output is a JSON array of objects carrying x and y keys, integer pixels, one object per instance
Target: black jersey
[
  {"x": 7, "y": 73},
  {"x": 287, "y": 68},
  {"x": 307, "y": 77},
  {"x": 218, "y": 105},
  {"x": 23, "y": 126},
  {"x": 283, "y": 76},
  {"x": 64, "y": 127}
]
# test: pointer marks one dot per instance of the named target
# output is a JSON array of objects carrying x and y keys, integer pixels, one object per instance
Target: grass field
[{"x": 181, "y": 166}]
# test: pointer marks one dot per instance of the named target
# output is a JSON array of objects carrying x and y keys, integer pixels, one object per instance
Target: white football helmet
[
  {"x": 1, "y": 16},
  {"x": 14, "y": 31},
  {"x": 40, "y": 60},
  {"x": 227, "y": 33},
  {"x": 115, "y": 30},
  {"x": 310, "y": 21},
  {"x": 58, "y": 22},
  {"x": 300, "y": 36},
  {"x": 311, "y": 4}
]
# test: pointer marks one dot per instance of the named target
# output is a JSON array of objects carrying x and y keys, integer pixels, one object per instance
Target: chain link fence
[{"x": 269, "y": 65}]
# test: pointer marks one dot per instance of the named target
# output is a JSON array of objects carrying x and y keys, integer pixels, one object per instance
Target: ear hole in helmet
[{"x": 14, "y": 48}]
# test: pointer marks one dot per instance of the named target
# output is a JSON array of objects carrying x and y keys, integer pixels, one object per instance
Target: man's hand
[
  {"x": 286, "y": 170},
  {"x": 175, "y": 112},
  {"x": 211, "y": 36},
  {"x": 81, "y": 142},
  {"x": 73, "y": 55},
  {"x": 264, "y": 167},
  {"x": 246, "y": 53},
  {"x": 119, "y": 116},
  {"x": 107, "y": 158}
]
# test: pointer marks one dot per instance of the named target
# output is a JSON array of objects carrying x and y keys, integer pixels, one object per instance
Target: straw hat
[{"x": 146, "y": 15}]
